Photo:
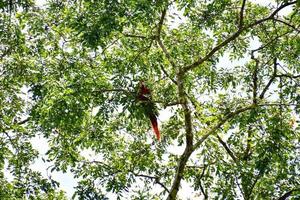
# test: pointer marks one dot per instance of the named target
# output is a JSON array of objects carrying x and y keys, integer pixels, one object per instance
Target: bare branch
[
  {"x": 167, "y": 104},
  {"x": 23, "y": 121},
  {"x": 195, "y": 167},
  {"x": 156, "y": 179}
]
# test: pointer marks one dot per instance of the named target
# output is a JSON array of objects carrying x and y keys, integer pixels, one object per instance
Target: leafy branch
[{"x": 233, "y": 37}]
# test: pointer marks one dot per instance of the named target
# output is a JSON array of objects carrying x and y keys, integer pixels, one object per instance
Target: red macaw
[{"x": 150, "y": 110}]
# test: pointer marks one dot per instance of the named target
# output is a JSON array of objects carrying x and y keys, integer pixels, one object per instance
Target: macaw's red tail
[{"x": 155, "y": 126}]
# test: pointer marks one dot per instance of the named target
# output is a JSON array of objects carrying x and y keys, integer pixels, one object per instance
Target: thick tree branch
[
  {"x": 189, "y": 138},
  {"x": 233, "y": 37},
  {"x": 179, "y": 173},
  {"x": 189, "y": 150}
]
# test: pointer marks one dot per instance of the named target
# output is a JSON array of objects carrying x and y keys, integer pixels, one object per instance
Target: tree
[{"x": 79, "y": 64}]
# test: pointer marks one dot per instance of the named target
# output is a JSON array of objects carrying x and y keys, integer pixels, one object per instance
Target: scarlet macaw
[{"x": 150, "y": 110}]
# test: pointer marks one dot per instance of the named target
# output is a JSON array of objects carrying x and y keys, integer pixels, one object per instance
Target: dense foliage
[{"x": 223, "y": 73}]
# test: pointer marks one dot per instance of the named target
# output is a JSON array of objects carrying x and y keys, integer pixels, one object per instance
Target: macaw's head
[{"x": 143, "y": 89}]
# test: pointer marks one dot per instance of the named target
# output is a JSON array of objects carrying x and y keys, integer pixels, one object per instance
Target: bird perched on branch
[{"x": 149, "y": 108}]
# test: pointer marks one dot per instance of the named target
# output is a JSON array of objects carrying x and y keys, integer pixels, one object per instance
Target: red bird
[{"x": 150, "y": 110}]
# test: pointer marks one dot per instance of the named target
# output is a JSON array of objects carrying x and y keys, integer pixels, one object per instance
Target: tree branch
[
  {"x": 115, "y": 90},
  {"x": 287, "y": 24},
  {"x": 156, "y": 180},
  {"x": 271, "y": 41},
  {"x": 255, "y": 79},
  {"x": 190, "y": 149},
  {"x": 288, "y": 194},
  {"x": 233, "y": 37},
  {"x": 248, "y": 147},
  {"x": 179, "y": 173},
  {"x": 288, "y": 76},
  {"x": 135, "y": 36},
  {"x": 201, "y": 187},
  {"x": 167, "y": 74},
  {"x": 159, "y": 41},
  {"x": 220, "y": 123},
  {"x": 228, "y": 150},
  {"x": 242, "y": 14},
  {"x": 262, "y": 94},
  {"x": 189, "y": 138}
]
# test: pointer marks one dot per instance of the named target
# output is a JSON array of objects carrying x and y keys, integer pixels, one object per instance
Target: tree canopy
[{"x": 224, "y": 75}]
